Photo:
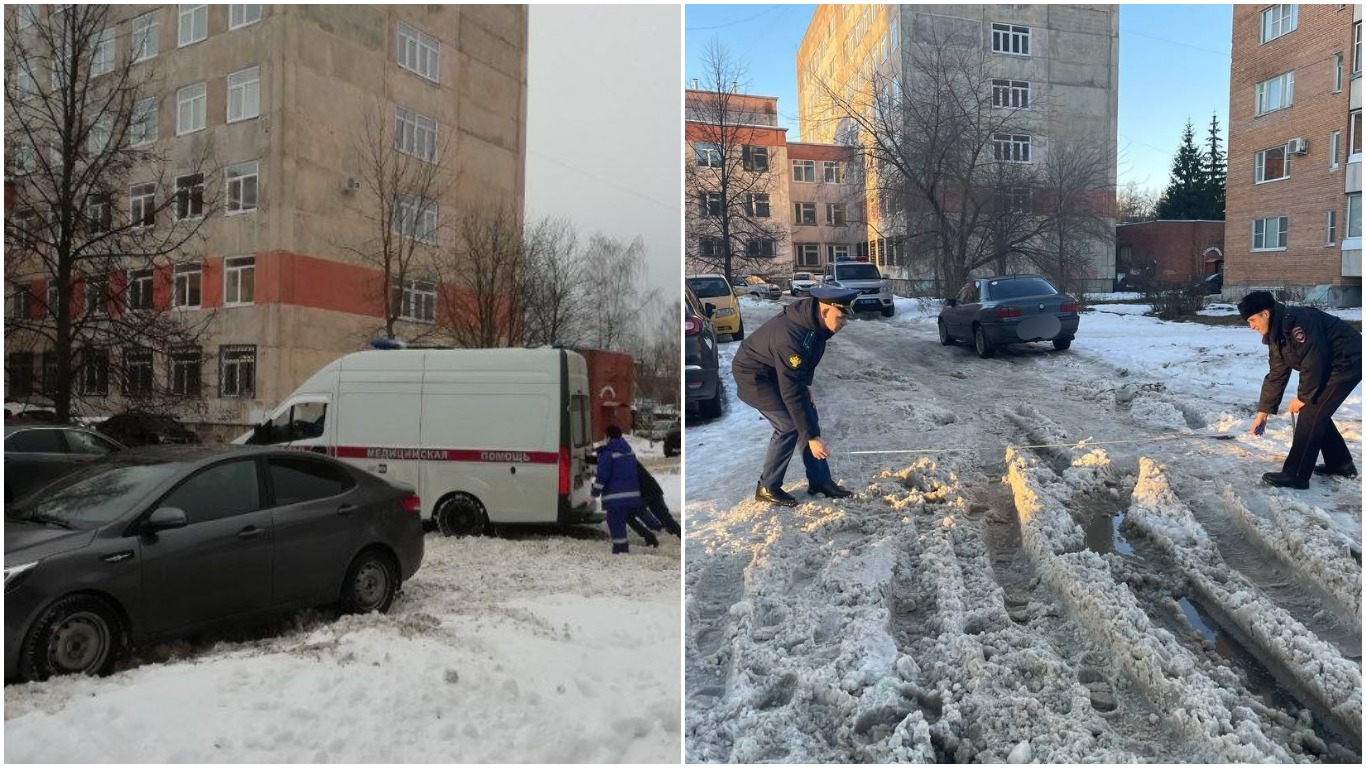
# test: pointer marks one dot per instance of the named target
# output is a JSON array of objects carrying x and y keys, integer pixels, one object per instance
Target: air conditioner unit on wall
[{"x": 1298, "y": 146}]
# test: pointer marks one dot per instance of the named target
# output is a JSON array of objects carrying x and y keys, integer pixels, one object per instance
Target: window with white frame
[
  {"x": 711, "y": 203},
  {"x": 808, "y": 254},
  {"x": 1271, "y": 165},
  {"x": 99, "y": 214},
  {"x": 194, "y": 24},
  {"x": 142, "y": 205},
  {"x": 237, "y": 370},
  {"x": 96, "y": 295},
  {"x": 709, "y": 245},
  {"x": 239, "y": 280},
  {"x": 834, "y": 171},
  {"x": 189, "y": 196},
  {"x": 1354, "y": 216},
  {"x": 244, "y": 94},
  {"x": 54, "y": 298},
  {"x": 137, "y": 371},
  {"x": 1276, "y": 93},
  {"x": 187, "y": 280},
  {"x": 1330, "y": 232},
  {"x": 1279, "y": 20},
  {"x": 419, "y": 52},
  {"x": 837, "y": 252},
  {"x": 758, "y": 204},
  {"x": 415, "y": 300},
  {"x": 94, "y": 371},
  {"x": 240, "y": 15},
  {"x": 187, "y": 365},
  {"x": 1337, "y": 72},
  {"x": 1334, "y": 140},
  {"x": 21, "y": 302},
  {"x": 1010, "y": 38},
  {"x": 1011, "y": 147},
  {"x": 142, "y": 128},
  {"x": 708, "y": 155},
  {"x": 140, "y": 289},
  {"x": 1356, "y": 47},
  {"x": 191, "y": 109},
  {"x": 804, "y": 171},
  {"x": 761, "y": 248},
  {"x": 1354, "y": 135},
  {"x": 242, "y": 182},
  {"x": 893, "y": 34},
  {"x": 804, "y": 214},
  {"x": 754, "y": 158},
  {"x": 1270, "y": 234},
  {"x": 415, "y": 217},
  {"x": 415, "y": 134},
  {"x": 102, "y": 58},
  {"x": 100, "y": 134},
  {"x": 1010, "y": 94},
  {"x": 146, "y": 36},
  {"x": 834, "y": 214}
]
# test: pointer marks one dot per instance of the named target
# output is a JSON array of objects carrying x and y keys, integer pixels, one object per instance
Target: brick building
[
  {"x": 1293, "y": 207},
  {"x": 1167, "y": 253}
]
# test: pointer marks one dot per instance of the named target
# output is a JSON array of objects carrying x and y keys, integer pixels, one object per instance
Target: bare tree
[
  {"x": 730, "y": 174},
  {"x": 612, "y": 290},
  {"x": 1136, "y": 204},
  {"x": 481, "y": 278},
  {"x": 553, "y": 277},
  {"x": 658, "y": 359},
  {"x": 1075, "y": 185},
  {"x": 97, "y": 208}
]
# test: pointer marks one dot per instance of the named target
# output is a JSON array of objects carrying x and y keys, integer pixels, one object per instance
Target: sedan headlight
[
  {"x": 14, "y": 574},
  {"x": 724, "y": 312}
]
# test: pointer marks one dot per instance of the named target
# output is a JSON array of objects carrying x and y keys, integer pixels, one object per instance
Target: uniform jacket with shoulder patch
[
  {"x": 774, "y": 366},
  {"x": 1323, "y": 348}
]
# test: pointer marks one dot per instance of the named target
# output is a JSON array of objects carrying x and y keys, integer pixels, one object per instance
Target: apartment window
[
  {"x": 189, "y": 196},
  {"x": 191, "y": 109},
  {"x": 140, "y": 289},
  {"x": 94, "y": 371},
  {"x": 244, "y": 94},
  {"x": 754, "y": 158},
  {"x": 418, "y": 52},
  {"x": 761, "y": 248},
  {"x": 99, "y": 216},
  {"x": 137, "y": 371},
  {"x": 146, "y": 34},
  {"x": 1011, "y": 148},
  {"x": 1276, "y": 93},
  {"x": 804, "y": 171},
  {"x": 1010, "y": 94},
  {"x": 101, "y": 132},
  {"x": 711, "y": 203},
  {"x": 187, "y": 365},
  {"x": 1334, "y": 139},
  {"x": 808, "y": 255},
  {"x": 893, "y": 34},
  {"x": 1270, "y": 234},
  {"x": 48, "y": 372},
  {"x": 1271, "y": 165},
  {"x": 1010, "y": 38},
  {"x": 757, "y": 203},
  {"x": 1354, "y": 215},
  {"x": 1337, "y": 72},
  {"x": 143, "y": 122},
  {"x": 142, "y": 205},
  {"x": 194, "y": 24},
  {"x": 804, "y": 213},
  {"x": 415, "y": 217},
  {"x": 240, "y": 15},
  {"x": 237, "y": 370},
  {"x": 96, "y": 296},
  {"x": 834, "y": 171},
  {"x": 708, "y": 155},
  {"x": 187, "y": 281},
  {"x": 834, "y": 214},
  {"x": 838, "y": 252},
  {"x": 1279, "y": 20},
  {"x": 242, "y": 187},
  {"x": 1354, "y": 136},
  {"x": 1017, "y": 199},
  {"x": 1330, "y": 232},
  {"x": 711, "y": 246},
  {"x": 102, "y": 58},
  {"x": 54, "y": 298},
  {"x": 415, "y": 300},
  {"x": 239, "y": 280},
  {"x": 21, "y": 302},
  {"x": 1356, "y": 48},
  {"x": 19, "y": 366},
  {"x": 415, "y": 134}
]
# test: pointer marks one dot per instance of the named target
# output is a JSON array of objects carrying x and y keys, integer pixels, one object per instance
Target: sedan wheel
[
  {"x": 944, "y": 337},
  {"x": 371, "y": 583},
  {"x": 78, "y": 635},
  {"x": 1061, "y": 344},
  {"x": 979, "y": 341}
]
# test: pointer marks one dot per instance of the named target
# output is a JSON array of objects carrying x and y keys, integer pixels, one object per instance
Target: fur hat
[{"x": 1255, "y": 302}]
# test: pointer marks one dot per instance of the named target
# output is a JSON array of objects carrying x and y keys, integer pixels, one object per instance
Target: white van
[{"x": 485, "y": 435}]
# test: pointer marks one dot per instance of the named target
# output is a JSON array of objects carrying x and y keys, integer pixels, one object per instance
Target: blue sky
[{"x": 1173, "y": 65}]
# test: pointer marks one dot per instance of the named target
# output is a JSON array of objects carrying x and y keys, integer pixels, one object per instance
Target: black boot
[
  {"x": 652, "y": 541},
  {"x": 1348, "y": 470},
  {"x": 831, "y": 490},
  {"x": 1282, "y": 480},
  {"x": 774, "y": 496}
]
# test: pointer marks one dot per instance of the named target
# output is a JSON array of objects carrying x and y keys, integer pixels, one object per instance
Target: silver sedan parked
[{"x": 991, "y": 312}]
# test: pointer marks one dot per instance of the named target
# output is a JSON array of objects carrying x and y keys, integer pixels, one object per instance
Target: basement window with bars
[
  {"x": 237, "y": 370},
  {"x": 137, "y": 371},
  {"x": 187, "y": 366},
  {"x": 93, "y": 365}
]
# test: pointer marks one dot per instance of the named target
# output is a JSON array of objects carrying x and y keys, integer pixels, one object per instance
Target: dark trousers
[
  {"x": 645, "y": 524},
  {"x": 660, "y": 510},
  {"x": 780, "y": 448},
  {"x": 1315, "y": 432}
]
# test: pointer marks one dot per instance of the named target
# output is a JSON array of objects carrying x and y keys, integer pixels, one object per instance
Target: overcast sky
[{"x": 605, "y": 126}]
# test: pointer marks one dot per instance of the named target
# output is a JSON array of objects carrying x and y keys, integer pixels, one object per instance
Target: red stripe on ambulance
[{"x": 444, "y": 454}]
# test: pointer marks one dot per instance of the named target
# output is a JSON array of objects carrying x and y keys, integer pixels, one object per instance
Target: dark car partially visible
[
  {"x": 701, "y": 358},
  {"x": 673, "y": 440},
  {"x": 134, "y": 428},
  {"x": 991, "y": 312},
  {"x": 151, "y": 544},
  {"x": 36, "y": 453}
]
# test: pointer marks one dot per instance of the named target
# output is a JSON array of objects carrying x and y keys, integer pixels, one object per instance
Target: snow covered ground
[
  {"x": 534, "y": 648},
  {"x": 1062, "y": 565}
]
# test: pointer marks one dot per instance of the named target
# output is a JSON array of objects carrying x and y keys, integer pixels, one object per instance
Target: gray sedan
[
  {"x": 994, "y": 311},
  {"x": 151, "y": 544}
]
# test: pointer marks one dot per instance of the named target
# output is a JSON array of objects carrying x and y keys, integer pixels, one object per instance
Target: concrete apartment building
[
  {"x": 1293, "y": 202},
  {"x": 283, "y": 93},
  {"x": 800, "y": 207},
  {"x": 1064, "y": 58}
]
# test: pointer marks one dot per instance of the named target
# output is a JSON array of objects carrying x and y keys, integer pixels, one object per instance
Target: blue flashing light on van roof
[{"x": 385, "y": 343}]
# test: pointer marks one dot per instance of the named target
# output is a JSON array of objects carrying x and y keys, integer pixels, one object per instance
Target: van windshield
[
  {"x": 857, "y": 272},
  {"x": 709, "y": 287}
]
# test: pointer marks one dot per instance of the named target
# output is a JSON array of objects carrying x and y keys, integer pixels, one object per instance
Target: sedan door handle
[
  {"x": 250, "y": 532},
  {"x": 346, "y": 509}
]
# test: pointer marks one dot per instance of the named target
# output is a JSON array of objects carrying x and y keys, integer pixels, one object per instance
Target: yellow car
[{"x": 716, "y": 293}]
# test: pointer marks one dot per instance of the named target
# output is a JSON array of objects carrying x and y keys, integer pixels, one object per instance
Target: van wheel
[
  {"x": 460, "y": 514},
  {"x": 371, "y": 583},
  {"x": 77, "y": 635}
]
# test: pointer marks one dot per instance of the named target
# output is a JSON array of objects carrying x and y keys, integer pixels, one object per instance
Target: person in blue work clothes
[
  {"x": 618, "y": 487},
  {"x": 773, "y": 370},
  {"x": 1327, "y": 353}
]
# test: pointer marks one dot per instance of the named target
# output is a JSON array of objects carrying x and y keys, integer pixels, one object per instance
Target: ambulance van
[{"x": 487, "y": 436}]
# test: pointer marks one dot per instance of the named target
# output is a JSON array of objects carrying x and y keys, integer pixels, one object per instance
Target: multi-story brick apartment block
[
  {"x": 1057, "y": 64},
  {"x": 1293, "y": 202},
  {"x": 787, "y": 205},
  {"x": 283, "y": 93}
]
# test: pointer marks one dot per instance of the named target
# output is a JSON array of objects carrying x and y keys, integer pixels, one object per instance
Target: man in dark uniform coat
[
  {"x": 773, "y": 370},
  {"x": 1327, "y": 353}
]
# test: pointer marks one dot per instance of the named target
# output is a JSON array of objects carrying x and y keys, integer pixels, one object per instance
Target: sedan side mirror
[
  {"x": 950, "y": 302},
  {"x": 166, "y": 518}
]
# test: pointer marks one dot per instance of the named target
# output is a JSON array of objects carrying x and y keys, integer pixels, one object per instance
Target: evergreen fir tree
[
  {"x": 1216, "y": 173},
  {"x": 1182, "y": 199}
]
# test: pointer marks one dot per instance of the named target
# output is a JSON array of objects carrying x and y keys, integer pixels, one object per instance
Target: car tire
[
  {"x": 460, "y": 514},
  {"x": 888, "y": 311},
  {"x": 982, "y": 344},
  {"x": 77, "y": 635},
  {"x": 713, "y": 408},
  {"x": 371, "y": 583},
  {"x": 739, "y": 334},
  {"x": 944, "y": 337},
  {"x": 1061, "y": 344}
]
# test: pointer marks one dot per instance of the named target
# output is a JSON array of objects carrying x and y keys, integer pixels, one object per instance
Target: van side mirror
[{"x": 166, "y": 518}]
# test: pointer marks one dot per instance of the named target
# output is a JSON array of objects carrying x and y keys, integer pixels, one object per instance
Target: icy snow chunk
[{"x": 1022, "y": 753}]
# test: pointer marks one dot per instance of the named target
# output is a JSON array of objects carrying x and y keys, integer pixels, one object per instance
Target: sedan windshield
[
  {"x": 709, "y": 287},
  {"x": 95, "y": 495},
  {"x": 1014, "y": 289}
]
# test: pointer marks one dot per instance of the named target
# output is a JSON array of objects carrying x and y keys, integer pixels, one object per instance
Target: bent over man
[
  {"x": 773, "y": 371},
  {"x": 1327, "y": 353}
]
